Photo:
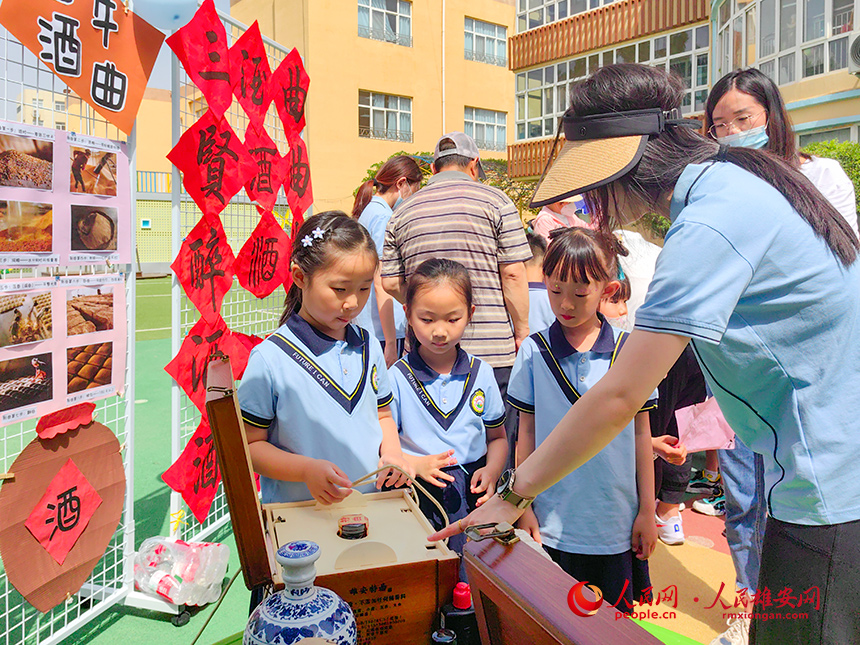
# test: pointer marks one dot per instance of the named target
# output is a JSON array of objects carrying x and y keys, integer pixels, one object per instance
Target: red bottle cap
[{"x": 462, "y": 596}]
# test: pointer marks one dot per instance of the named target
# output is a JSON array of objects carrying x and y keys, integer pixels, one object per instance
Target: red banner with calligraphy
[
  {"x": 272, "y": 169},
  {"x": 103, "y": 53},
  {"x": 250, "y": 73},
  {"x": 290, "y": 83},
  {"x": 263, "y": 264},
  {"x": 300, "y": 194},
  {"x": 195, "y": 475}
]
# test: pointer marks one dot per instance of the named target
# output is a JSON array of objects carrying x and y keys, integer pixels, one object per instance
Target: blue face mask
[
  {"x": 397, "y": 202},
  {"x": 755, "y": 138}
]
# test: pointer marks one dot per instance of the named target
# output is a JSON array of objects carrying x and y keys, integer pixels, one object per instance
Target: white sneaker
[
  {"x": 671, "y": 530},
  {"x": 738, "y": 632}
]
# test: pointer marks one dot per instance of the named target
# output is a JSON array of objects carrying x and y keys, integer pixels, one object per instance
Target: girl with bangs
[{"x": 593, "y": 522}]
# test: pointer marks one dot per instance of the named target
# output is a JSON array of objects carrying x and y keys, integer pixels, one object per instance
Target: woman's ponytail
[{"x": 363, "y": 197}]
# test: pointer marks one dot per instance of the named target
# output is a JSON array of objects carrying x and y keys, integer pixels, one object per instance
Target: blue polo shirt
[
  {"x": 437, "y": 412},
  {"x": 540, "y": 313},
  {"x": 775, "y": 322},
  {"x": 591, "y": 511},
  {"x": 318, "y": 397},
  {"x": 375, "y": 218}
]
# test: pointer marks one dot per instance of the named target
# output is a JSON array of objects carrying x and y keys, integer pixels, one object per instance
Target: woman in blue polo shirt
[{"x": 760, "y": 272}]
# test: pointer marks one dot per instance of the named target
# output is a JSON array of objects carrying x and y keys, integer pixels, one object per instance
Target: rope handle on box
[{"x": 413, "y": 482}]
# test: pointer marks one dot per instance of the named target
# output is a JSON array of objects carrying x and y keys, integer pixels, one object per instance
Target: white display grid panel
[
  {"x": 30, "y": 93},
  {"x": 241, "y": 310}
]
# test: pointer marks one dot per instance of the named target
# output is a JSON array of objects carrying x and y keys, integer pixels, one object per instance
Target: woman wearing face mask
[
  {"x": 760, "y": 275},
  {"x": 746, "y": 109},
  {"x": 397, "y": 179}
]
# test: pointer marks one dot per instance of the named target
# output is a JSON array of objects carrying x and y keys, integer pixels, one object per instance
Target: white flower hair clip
[
  {"x": 307, "y": 240},
  {"x": 318, "y": 233}
]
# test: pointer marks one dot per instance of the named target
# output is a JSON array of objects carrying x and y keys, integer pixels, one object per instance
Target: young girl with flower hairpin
[{"x": 315, "y": 395}]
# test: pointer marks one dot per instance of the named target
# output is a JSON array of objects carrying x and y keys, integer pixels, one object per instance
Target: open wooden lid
[{"x": 237, "y": 474}]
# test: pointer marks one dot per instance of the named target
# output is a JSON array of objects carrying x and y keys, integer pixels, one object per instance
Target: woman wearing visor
[{"x": 759, "y": 273}]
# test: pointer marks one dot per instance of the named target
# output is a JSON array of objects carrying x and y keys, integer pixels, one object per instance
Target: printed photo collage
[
  {"x": 47, "y": 326},
  {"x": 64, "y": 198}
]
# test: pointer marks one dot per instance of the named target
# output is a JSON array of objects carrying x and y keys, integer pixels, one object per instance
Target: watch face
[{"x": 504, "y": 480}]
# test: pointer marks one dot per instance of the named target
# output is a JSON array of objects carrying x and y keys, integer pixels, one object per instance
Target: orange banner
[{"x": 103, "y": 53}]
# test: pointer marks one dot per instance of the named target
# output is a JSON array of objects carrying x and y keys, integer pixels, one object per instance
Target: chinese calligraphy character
[
  {"x": 207, "y": 466},
  {"x": 68, "y": 508},
  {"x": 294, "y": 94},
  {"x": 60, "y": 44},
  {"x": 719, "y": 593},
  {"x": 206, "y": 267},
  {"x": 262, "y": 183},
  {"x": 621, "y": 597},
  {"x": 784, "y": 598},
  {"x": 264, "y": 260},
  {"x": 215, "y": 57},
  {"x": 103, "y": 19},
  {"x": 109, "y": 86},
  {"x": 763, "y": 597},
  {"x": 259, "y": 77},
  {"x": 300, "y": 172},
  {"x": 212, "y": 154},
  {"x": 811, "y": 596},
  {"x": 669, "y": 595}
]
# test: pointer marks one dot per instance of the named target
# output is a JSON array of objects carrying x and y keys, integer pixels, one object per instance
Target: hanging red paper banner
[
  {"x": 240, "y": 348},
  {"x": 203, "y": 343},
  {"x": 64, "y": 511},
  {"x": 300, "y": 194},
  {"x": 272, "y": 170},
  {"x": 195, "y": 475},
  {"x": 204, "y": 266},
  {"x": 251, "y": 74},
  {"x": 214, "y": 163},
  {"x": 289, "y": 90},
  {"x": 263, "y": 264},
  {"x": 201, "y": 47}
]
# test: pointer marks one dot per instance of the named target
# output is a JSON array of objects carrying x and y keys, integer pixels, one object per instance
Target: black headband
[{"x": 622, "y": 124}]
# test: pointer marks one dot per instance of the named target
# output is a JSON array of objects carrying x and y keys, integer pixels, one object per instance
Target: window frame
[
  {"x": 490, "y": 59},
  {"x": 385, "y": 134},
  {"x": 397, "y": 38},
  {"x": 551, "y": 11},
  {"x": 500, "y": 122}
]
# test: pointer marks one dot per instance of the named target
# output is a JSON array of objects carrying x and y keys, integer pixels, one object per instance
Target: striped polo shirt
[{"x": 460, "y": 219}]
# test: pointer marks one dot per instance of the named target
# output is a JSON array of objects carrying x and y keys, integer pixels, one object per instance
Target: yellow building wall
[{"x": 340, "y": 63}]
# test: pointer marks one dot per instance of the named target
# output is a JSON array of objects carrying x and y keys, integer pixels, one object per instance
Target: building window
[
  {"x": 840, "y": 136},
  {"x": 534, "y": 13},
  {"x": 542, "y": 94},
  {"x": 786, "y": 39},
  {"x": 486, "y": 127},
  {"x": 384, "y": 116},
  {"x": 60, "y": 125},
  {"x": 59, "y": 106},
  {"x": 387, "y": 20},
  {"x": 486, "y": 42}
]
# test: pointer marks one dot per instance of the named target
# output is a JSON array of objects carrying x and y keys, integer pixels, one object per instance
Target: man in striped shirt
[{"x": 458, "y": 218}]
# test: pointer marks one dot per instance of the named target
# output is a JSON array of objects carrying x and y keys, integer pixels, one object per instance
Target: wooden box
[{"x": 394, "y": 580}]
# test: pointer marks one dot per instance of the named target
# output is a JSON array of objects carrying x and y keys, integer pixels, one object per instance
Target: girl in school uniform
[
  {"x": 315, "y": 395},
  {"x": 593, "y": 522},
  {"x": 447, "y": 403}
]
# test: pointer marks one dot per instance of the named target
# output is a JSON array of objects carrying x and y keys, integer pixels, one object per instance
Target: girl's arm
[
  {"x": 591, "y": 424},
  {"x": 644, "y": 536},
  {"x": 385, "y": 303},
  {"x": 484, "y": 479},
  {"x": 326, "y": 482},
  {"x": 525, "y": 447},
  {"x": 390, "y": 452}
]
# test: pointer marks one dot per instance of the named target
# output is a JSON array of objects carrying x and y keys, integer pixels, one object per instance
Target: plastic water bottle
[{"x": 186, "y": 573}]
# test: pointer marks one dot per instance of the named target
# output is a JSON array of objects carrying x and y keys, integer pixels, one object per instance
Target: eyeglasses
[{"x": 742, "y": 123}]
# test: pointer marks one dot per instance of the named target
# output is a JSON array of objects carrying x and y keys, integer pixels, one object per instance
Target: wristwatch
[{"x": 505, "y": 489}]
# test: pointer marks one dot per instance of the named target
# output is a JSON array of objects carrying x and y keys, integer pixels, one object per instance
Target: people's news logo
[{"x": 764, "y": 603}]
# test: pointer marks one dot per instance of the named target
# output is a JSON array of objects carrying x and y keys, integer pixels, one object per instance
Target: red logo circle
[{"x": 579, "y": 604}]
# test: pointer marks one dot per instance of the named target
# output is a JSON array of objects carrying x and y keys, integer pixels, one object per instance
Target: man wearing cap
[{"x": 458, "y": 218}]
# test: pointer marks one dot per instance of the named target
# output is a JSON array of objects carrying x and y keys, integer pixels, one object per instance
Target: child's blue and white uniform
[
  {"x": 591, "y": 511},
  {"x": 540, "y": 312},
  {"x": 439, "y": 412},
  {"x": 318, "y": 397}
]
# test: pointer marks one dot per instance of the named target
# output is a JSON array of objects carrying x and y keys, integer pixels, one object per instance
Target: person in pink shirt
[{"x": 559, "y": 215}]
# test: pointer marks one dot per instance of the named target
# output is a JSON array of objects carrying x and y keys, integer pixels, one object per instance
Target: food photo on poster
[
  {"x": 94, "y": 228},
  {"x": 89, "y": 366},
  {"x": 25, "y": 381},
  {"x": 25, "y": 318},
  {"x": 26, "y": 162},
  {"x": 26, "y": 227},
  {"x": 89, "y": 309},
  {"x": 93, "y": 172}
]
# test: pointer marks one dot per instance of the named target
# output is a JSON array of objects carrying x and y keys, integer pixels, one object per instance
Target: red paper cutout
[
  {"x": 201, "y": 46},
  {"x": 204, "y": 266},
  {"x": 61, "y": 421},
  {"x": 271, "y": 172},
  {"x": 240, "y": 346},
  {"x": 289, "y": 90},
  {"x": 203, "y": 343},
  {"x": 196, "y": 475},
  {"x": 64, "y": 511},
  {"x": 300, "y": 194},
  {"x": 214, "y": 162},
  {"x": 263, "y": 264},
  {"x": 251, "y": 73}
]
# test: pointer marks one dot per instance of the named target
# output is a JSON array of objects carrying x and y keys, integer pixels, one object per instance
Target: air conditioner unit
[{"x": 854, "y": 53}]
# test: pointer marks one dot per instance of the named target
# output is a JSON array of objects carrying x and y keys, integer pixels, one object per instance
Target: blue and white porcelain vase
[{"x": 301, "y": 610}]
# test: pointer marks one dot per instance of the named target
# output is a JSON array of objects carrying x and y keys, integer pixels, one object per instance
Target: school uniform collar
[
  {"x": 685, "y": 184},
  {"x": 315, "y": 340},
  {"x": 425, "y": 373},
  {"x": 561, "y": 348},
  {"x": 537, "y": 285}
]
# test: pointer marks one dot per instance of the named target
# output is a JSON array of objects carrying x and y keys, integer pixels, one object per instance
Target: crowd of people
[{"x": 533, "y": 376}]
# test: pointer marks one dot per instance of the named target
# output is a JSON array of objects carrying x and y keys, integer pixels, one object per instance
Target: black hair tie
[{"x": 723, "y": 152}]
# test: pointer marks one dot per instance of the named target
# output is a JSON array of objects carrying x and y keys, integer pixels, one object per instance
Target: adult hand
[
  {"x": 327, "y": 483},
  {"x": 670, "y": 449},
  {"x": 429, "y": 467},
  {"x": 495, "y": 510}
]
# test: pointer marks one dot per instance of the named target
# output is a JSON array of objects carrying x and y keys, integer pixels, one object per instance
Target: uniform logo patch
[
  {"x": 477, "y": 402},
  {"x": 374, "y": 380}
]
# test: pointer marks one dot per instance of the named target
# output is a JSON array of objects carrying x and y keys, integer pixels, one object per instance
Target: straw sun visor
[{"x": 584, "y": 165}]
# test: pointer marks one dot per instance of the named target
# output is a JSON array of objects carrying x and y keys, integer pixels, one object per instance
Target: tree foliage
[{"x": 847, "y": 154}]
